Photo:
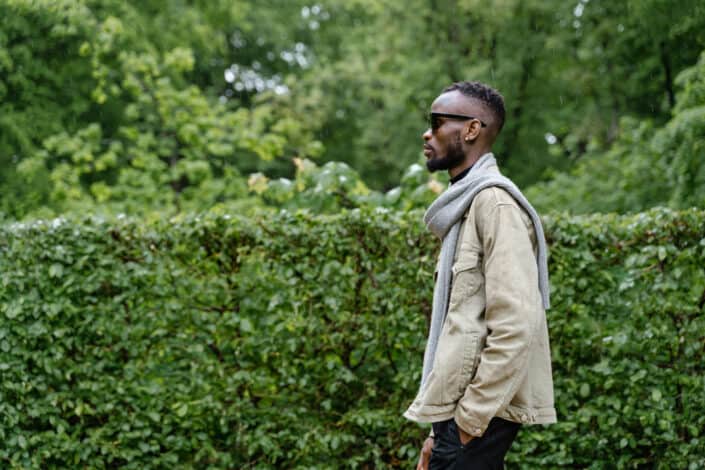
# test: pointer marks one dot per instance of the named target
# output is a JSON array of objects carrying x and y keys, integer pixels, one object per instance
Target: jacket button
[
  {"x": 477, "y": 431},
  {"x": 524, "y": 418}
]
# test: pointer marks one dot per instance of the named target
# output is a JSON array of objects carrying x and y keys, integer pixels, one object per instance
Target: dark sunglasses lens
[{"x": 434, "y": 122}]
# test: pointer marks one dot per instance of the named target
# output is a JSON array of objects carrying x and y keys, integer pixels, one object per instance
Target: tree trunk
[{"x": 668, "y": 74}]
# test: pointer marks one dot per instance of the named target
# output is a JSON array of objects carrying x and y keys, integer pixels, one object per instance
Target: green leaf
[
  {"x": 56, "y": 270},
  {"x": 182, "y": 410},
  {"x": 585, "y": 390},
  {"x": 656, "y": 394}
]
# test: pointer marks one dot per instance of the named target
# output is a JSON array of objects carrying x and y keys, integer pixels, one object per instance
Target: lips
[{"x": 427, "y": 150}]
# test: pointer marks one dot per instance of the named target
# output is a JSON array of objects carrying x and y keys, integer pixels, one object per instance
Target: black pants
[{"x": 486, "y": 452}]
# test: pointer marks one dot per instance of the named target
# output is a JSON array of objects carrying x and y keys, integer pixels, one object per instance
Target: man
[{"x": 487, "y": 365}]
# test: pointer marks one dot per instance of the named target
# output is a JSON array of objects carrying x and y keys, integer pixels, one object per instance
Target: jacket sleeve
[{"x": 512, "y": 313}]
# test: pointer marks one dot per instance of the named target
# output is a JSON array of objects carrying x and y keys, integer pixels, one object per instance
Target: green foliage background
[
  {"x": 284, "y": 326},
  {"x": 151, "y": 107},
  {"x": 295, "y": 341}
]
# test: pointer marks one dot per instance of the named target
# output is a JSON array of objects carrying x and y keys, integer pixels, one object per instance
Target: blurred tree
[
  {"x": 130, "y": 103},
  {"x": 336, "y": 186},
  {"x": 569, "y": 72},
  {"x": 680, "y": 145},
  {"x": 647, "y": 165},
  {"x": 114, "y": 103}
]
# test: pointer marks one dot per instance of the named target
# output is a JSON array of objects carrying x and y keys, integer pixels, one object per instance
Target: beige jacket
[{"x": 493, "y": 356}]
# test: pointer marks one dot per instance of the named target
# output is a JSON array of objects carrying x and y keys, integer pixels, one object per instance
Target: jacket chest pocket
[{"x": 467, "y": 278}]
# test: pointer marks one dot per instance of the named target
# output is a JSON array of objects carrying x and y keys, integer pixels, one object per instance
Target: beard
[{"x": 453, "y": 157}]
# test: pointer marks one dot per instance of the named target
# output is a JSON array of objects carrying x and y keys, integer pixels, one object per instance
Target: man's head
[{"x": 465, "y": 121}]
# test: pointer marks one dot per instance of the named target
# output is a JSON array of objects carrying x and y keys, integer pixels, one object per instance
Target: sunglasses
[{"x": 434, "y": 119}]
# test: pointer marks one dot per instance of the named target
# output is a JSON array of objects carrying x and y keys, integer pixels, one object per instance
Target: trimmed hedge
[{"x": 294, "y": 340}]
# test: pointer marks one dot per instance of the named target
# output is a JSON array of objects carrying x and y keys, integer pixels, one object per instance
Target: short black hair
[{"x": 485, "y": 93}]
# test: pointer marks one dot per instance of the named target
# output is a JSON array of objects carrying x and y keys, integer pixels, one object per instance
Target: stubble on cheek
[{"x": 454, "y": 156}]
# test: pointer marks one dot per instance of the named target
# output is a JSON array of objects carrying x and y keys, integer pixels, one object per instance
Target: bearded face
[{"x": 453, "y": 157}]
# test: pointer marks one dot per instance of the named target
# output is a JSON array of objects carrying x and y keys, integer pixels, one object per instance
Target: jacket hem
[
  {"x": 522, "y": 415},
  {"x": 515, "y": 414},
  {"x": 443, "y": 413}
]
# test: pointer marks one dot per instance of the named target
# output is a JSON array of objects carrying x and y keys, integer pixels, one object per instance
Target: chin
[{"x": 435, "y": 164}]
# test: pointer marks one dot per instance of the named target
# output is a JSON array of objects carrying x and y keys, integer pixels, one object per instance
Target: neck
[{"x": 470, "y": 159}]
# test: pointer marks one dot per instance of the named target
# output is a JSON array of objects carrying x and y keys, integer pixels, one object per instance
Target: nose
[{"x": 426, "y": 136}]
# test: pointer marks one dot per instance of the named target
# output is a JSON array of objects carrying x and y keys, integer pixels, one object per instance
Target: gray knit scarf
[{"x": 443, "y": 219}]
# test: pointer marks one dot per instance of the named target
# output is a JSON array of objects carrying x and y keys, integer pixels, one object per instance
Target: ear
[{"x": 471, "y": 130}]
